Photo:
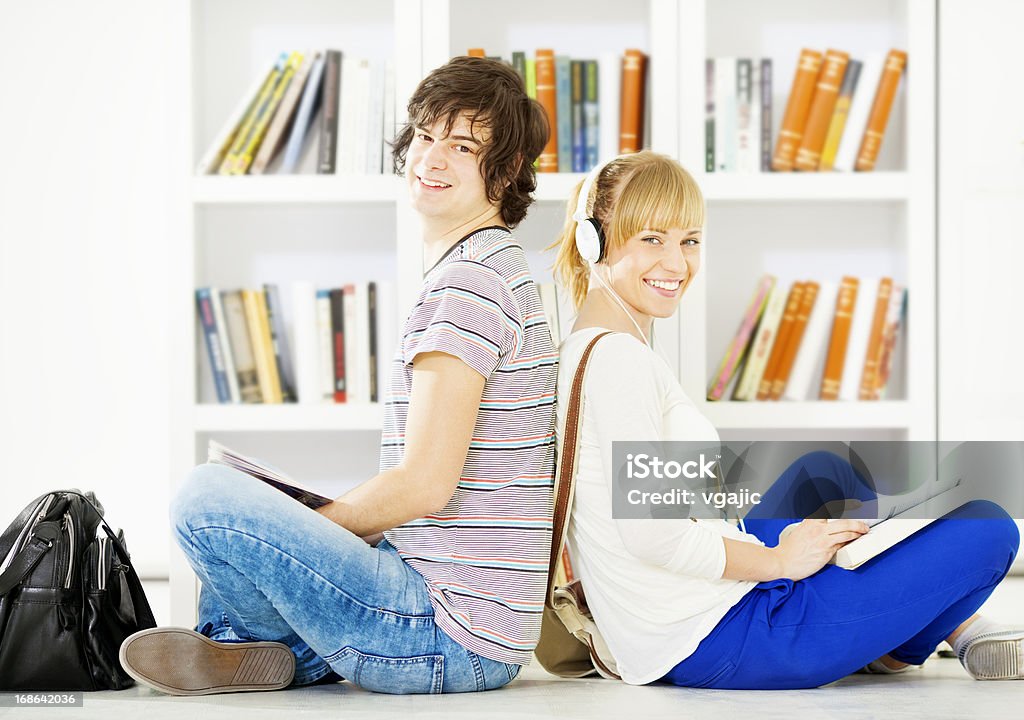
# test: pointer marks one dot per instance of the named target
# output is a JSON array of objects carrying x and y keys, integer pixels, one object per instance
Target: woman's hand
[{"x": 809, "y": 545}]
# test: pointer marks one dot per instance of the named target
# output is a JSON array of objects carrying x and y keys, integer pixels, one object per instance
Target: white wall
[{"x": 84, "y": 188}]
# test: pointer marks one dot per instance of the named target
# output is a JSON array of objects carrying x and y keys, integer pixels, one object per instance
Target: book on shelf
[
  {"x": 815, "y": 338},
  {"x": 737, "y": 349},
  {"x": 840, "y": 114},
  {"x": 596, "y": 108},
  {"x": 269, "y": 368},
  {"x": 348, "y": 100},
  {"x": 823, "y": 105},
  {"x": 547, "y": 96},
  {"x": 222, "y": 455},
  {"x": 881, "y": 106},
  {"x": 761, "y": 345},
  {"x": 834, "y": 119}
]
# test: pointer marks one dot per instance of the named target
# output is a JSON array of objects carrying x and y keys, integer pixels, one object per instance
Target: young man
[{"x": 451, "y": 599}]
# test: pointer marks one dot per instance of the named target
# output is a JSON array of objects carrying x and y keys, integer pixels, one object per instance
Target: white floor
[{"x": 941, "y": 689}]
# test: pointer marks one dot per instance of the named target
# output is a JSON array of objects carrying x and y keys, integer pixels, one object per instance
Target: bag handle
[
  {"x": 43, "y": 536},
  {"x": 567, "y": 466}
]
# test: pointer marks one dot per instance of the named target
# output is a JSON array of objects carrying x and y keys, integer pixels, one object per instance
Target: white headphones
[{"x": 589, "y": 233}]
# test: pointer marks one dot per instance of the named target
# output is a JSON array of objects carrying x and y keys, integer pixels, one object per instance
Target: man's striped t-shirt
[{"x": 484, "y": 556}]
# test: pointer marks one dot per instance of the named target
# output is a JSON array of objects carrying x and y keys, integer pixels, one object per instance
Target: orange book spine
[
  {"x": 871, "y": 143},
  {"x": 631, "y": 113},
  {"x": 548, "y": 161},
  {"x": 841, "y": 322},
  {"x": 795, "y": 117},
  {"x": 781, "y": 338},
  {"x": 567, "y": 566},
  {"x": 476, "y": 52},
  {"x": 869, "y": 375},
  {"x": 823, "y": 105},
  {"x": 810, "y": 294}
]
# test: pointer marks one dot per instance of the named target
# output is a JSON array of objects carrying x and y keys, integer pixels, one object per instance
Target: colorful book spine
[
  {"x": 563, "y": 89},
  {"x": 764, "y": 388},
  {"x": 519, "y": 65},
  {"x": 805, "y": 377},
  {"x": 282, "y": 118},
  {"x": 869, "y": 374},
  {"x": 218, "y": 150},
  {"x": 823, "y": 105},
  {"x": 795, "y": 116},
  {"x": 261, "y": 350},
  {"x": 241, "y": 347},
  {"x": 328, "y": 151},
  {"x": 839, "y": 338},
  {"x": 878, "y": 118},
  {"x": 860, "y": 107},
  {"x": 761, "y": 345},
  {"x": 304, "y": 115},
  {"x": 839, "y": 115},
  {"x": 709, "y": 115},
  {"x": 893, "y": 325},
  {"x": 579, "y": 137},
  {"x": 242, "y": 136},
  {"x": 796, "y": 336},
  {"x": 476, "y": 52},
  {"x": 631, "y": 119},
  {"x": 266, "y": 114},
  {"x": 531, "y": 78},
  {"x": 338, "y": 344},
  {"x": 214, "y": 349},
  {"x": 765, "y": 81},
  {"x": 591, "y": 116},
  {"x": 738, "y": 347},
  {"x": 547, "y": 96},
  {"x": 374, "y": 355}
]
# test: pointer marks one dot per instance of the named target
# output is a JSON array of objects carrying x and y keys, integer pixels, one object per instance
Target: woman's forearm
[{"x": 749, "y": 561}]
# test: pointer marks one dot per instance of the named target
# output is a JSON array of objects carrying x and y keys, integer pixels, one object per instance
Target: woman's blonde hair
[{"x": 644, "y": 190}]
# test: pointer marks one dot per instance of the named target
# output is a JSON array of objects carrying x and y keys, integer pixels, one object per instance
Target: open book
[
  {"x": 221, "y": 455},
  {"x": 898, "y": 518}
]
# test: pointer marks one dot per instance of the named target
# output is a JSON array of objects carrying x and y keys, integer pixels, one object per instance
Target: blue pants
[
  {"x": 272, "y": 569},
  {"x": 904, "y": 602}
]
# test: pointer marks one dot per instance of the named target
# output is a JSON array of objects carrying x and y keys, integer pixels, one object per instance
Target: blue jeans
[
  {"x": 272, "y": 569},
  {"x": 904, "y": 602}
]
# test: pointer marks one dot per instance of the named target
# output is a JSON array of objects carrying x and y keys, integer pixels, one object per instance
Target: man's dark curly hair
[{"x": 492, "y": 95}]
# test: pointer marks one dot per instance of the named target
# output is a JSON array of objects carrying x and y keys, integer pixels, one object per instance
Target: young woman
[{"x": 706, "y": 604}]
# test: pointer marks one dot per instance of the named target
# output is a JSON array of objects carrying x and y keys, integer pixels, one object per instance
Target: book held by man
[{"x": 222, "y": 455}]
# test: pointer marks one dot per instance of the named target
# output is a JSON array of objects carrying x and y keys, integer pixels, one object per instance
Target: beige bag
[{"x": 570, "y": 643}]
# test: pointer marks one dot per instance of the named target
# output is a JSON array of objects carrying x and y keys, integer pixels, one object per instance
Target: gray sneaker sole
[
  {"x": 177, "y": 661},
  {"x": 999, "y": 656}
]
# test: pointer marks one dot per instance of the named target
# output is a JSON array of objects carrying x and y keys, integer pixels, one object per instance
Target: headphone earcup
[{"x": 590, "y": 240}]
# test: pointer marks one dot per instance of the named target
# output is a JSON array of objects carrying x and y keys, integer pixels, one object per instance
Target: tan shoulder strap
[{"x": 565, "y": 485}]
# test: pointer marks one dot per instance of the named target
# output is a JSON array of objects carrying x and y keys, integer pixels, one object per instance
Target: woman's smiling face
[{"x": 653, "y": 268}]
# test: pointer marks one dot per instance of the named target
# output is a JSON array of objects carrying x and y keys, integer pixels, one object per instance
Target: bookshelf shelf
[
  {"x": 881, "y": 415},
  {"x": 807, "y": 187},
  {"x": 296, "y": 189},
  {"x": 287, "y": 418}
]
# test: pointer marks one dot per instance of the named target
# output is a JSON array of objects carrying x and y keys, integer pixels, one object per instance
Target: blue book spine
[
  {"x": 304, "y": 115},
  {"x": 579, "y": 143},
  {"x": 213, "y": 347},
  {"x": 563, "y": 90},
  {"x": 591, "y": 127}
]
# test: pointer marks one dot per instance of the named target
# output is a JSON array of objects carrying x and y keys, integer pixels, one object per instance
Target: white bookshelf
[{"x": 243, "y": 231}]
